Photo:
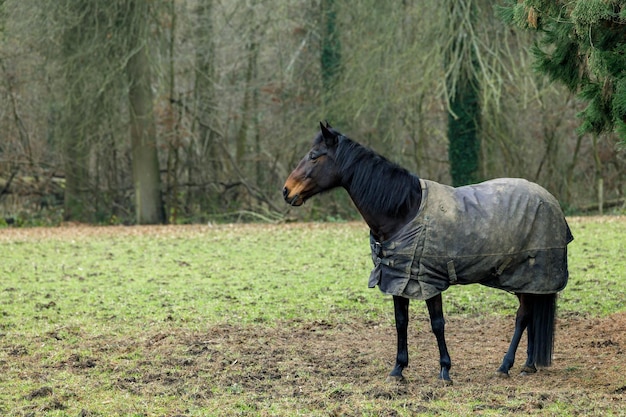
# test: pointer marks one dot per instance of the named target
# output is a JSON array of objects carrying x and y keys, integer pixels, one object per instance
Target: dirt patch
[
  {"x": 336, "y": 367},
  {"x": 328, "y": 368},
  {"x": 589, "y": 354}
]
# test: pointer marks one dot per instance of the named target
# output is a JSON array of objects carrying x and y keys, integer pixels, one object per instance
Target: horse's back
[
  {"x": 507, "y": 233},
  {"x": 500, "y": 213}
]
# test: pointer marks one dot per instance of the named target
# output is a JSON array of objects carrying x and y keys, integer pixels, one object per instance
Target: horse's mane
[{"x": 382, "y": 185}]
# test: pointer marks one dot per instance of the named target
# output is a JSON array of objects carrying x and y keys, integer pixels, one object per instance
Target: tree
[
  {"x": 330, "y": 58},
  {"x": 77, "y": 124},
  {"x": 146, "y": 173},
  {"x": 463, "y": 88},
  {"x": 250, "y": 102},
  {"x": 206, "y": 151},
  {"x": 76, "y": 200},
  {"x": 104, "y": 55},
  {"x": 582, "y": 45}
]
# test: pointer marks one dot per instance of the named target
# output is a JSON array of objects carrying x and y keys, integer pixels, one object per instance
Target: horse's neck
[
  {"x": 399, "y": 207},
  {"x": 381, "y": 225}
]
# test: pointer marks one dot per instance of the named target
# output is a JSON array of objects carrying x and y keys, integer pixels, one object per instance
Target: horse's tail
[{"x": 543, "y": 323}]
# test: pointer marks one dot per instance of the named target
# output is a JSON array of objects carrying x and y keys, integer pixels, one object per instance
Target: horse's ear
[
  {"x": 330, "y": 138},
  {"x": 328, "y": 126}
]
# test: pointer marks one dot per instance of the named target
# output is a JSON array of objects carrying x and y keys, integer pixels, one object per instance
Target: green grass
[
  {"x": 250, "y": 275},
  {"x": 105, "y": 294},
  {"x": 209, "y": 275},
  {"x": 597, "y": 259}
]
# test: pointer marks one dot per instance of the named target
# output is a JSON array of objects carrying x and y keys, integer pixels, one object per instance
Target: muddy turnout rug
[{"x": 506, "y": 233}]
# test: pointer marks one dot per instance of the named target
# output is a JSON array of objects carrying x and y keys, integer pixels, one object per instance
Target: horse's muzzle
[{"x": 293, "y": 201}]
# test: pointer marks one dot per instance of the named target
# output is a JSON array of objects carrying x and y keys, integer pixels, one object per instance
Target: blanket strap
[
  {"x": 452, "y": 273},
  {"x": 504, "y": 265},
  {"x": 377, "y": 250}
]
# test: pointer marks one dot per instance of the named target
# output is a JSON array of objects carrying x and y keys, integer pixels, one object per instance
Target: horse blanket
[{"x": 506, "y": 233}]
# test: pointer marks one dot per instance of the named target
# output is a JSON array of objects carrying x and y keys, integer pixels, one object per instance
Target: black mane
[{"x": 373, "y": 180}]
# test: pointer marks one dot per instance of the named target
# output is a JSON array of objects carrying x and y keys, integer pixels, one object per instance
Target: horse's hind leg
[
  {"x": 437, "y": 322},
  {"x": 522, "y": 319},
  {"x": 529, "y": 367},
  {"x": 401, "y": 310}
]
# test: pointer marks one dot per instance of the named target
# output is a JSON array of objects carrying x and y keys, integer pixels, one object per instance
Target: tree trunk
[
  {"x": 75, "y": 127},
  {"x": 171, "y": 121},
  {"x": 463, "y": 95},
  {"x": 598, "y": 175},
  {"x": 145, "y": 163},
  {"x": 464, "y": 145},
  {"x": 75, "y": 200},
  {"x": 247, "y": 110},
  {"x": 204, "y": 90},
  {"x": 204, "y": 165},
  {"x": 331, "y": 47},
  {"x": 330, "y": 58},
  {"x": 248, "y": 103}
]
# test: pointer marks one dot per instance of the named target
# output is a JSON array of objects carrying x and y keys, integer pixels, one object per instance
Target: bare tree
[
  {"x": 204, "y": 99},
  {"x": 103, "y": 100},
  {"x": 146, "y": 173}
]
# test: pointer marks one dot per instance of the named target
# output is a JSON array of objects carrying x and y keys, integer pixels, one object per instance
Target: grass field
[{"x": 278, "y": 320}]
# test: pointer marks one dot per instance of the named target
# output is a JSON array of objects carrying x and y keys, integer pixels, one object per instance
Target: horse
[{"x": 424, "y": 236}]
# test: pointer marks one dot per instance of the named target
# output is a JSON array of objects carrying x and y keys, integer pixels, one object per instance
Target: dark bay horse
[{"x": 508, "y": 233}]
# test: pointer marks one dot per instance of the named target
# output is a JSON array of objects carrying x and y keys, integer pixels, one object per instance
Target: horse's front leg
[
  {"x": 437, "y": 322},
  {"x": 401, "y": 310}
]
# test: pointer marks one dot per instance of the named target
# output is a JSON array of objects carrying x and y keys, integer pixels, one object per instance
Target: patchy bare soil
[
  {"x": 322, "y": 368},
  {"x": 325, "y": 365}
]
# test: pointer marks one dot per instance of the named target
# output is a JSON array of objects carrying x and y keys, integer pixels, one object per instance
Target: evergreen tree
[{"x": 582, "y": 45}]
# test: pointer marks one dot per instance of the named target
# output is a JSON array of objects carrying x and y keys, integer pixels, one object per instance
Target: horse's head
[{"x": 317, "y": 171}]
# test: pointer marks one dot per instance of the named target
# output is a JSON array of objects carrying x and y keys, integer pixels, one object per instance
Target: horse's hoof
[
  {"x": 396, "y": 379},
  {"x": 502, "y": 374},
  {"x": 446, "y": 382},
  {"x": 528, "y": 370}
]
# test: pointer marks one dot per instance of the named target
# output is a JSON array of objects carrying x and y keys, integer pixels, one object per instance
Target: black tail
[{"x": 543, "y": 321}]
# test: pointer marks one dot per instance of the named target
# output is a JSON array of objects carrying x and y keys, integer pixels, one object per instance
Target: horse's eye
[{"x": 314, "y": 155}]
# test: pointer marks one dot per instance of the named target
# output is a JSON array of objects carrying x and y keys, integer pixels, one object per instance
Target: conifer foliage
[{"x": 583, "y": 46}]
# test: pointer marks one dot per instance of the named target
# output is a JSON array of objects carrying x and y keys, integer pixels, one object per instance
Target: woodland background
[{"x": 221, "y": 98}]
